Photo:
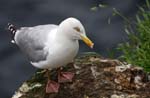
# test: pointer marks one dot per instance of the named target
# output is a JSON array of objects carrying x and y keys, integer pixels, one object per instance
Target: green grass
[{"x": 137, "y": 50}]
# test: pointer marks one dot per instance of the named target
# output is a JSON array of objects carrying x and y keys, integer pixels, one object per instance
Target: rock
[
  {"x": 117, "y": 96},
  {"x": 125, "y": 96},
  {"x": 95, "y": 77}
]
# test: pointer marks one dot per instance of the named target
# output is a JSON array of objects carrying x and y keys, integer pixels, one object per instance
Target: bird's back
[{"x": 31, "y": 40}]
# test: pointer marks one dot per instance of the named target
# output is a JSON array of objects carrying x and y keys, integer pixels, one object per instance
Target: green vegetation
[
  {"x": 97, "y": 7},
  {"x": 137, "y": 50}
]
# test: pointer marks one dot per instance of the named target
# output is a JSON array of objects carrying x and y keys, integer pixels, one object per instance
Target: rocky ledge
[{"x": 95, "y": 77}]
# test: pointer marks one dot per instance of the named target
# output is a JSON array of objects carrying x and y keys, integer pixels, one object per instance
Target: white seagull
[{"x": 51, "y": 46}]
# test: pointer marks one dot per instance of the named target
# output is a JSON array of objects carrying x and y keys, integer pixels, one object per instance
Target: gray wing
[{"x": 31, "y": 40}]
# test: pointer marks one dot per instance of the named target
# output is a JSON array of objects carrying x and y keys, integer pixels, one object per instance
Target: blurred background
[{"x": 14, "y": 66}]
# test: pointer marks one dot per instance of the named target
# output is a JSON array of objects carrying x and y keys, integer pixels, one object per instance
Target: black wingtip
[{"x": 11, "y": 28}]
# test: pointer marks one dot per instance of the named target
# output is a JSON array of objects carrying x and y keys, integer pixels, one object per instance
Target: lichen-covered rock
[{"x": 95, "y": 77}]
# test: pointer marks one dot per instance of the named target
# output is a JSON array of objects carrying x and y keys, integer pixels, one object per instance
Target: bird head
[{"x": 73, "y": 28}]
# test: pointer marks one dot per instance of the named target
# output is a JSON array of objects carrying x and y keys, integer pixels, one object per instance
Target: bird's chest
[{"x": 63, "y": 54}]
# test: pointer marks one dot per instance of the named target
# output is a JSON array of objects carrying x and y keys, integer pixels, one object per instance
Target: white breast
[{"x": 60, "y": 54}]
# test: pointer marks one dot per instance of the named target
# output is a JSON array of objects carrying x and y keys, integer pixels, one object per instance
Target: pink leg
[
  {"x": 65, "y": 76},
  {"x": 51, "y": 86}
]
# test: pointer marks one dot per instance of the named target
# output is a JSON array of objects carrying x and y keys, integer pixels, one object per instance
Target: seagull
[{"x": 51, "y": 46}]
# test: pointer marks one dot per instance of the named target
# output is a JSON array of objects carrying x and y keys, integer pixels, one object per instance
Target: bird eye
[{"x": 77, "y": 29}]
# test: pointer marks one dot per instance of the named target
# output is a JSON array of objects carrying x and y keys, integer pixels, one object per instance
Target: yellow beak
[{"x": 87, "y": 41}]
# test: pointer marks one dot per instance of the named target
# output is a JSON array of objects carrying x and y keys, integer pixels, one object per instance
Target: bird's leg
[
  {"x": 64, "y": 76},
  {"x": 51, "y": 86}
]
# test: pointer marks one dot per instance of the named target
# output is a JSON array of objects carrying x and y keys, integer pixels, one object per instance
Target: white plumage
[{"x": 51, "y": 46}]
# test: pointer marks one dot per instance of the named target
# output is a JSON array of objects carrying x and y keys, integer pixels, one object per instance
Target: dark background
[{"x": 14, "y": 66}]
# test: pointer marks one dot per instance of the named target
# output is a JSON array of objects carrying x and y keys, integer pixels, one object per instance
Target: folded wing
[{"x": 31, "y": 40}]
